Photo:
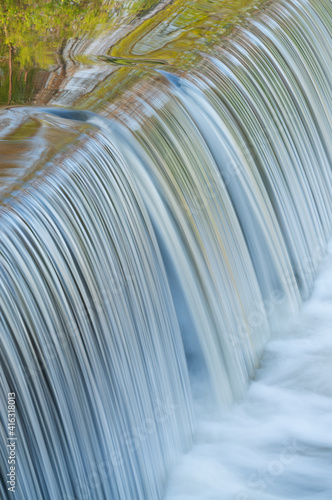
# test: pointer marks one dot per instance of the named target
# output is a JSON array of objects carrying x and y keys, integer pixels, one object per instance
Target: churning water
[
  {"x": 149, "y": 251},
  {"x": 276, "y": 444}
]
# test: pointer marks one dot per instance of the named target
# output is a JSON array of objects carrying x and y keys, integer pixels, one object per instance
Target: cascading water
[{"x": 146, "y": 256}]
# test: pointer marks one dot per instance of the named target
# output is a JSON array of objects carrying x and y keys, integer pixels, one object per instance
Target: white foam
[{"x": 276, "y": 443}]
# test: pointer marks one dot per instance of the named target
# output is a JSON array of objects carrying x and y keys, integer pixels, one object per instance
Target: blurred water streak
[{"x": 153, "y": 239}]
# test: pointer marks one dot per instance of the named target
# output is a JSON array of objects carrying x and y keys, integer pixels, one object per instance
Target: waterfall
[{"x": 148, "y": 256}]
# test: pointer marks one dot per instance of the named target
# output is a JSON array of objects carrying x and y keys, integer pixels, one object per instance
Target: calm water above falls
[{"x": 166, "y": 203}]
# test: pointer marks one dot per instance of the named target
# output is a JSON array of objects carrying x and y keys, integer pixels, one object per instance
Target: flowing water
[
  {"x": 162, "y": 218},
  {"x": 276, "y": 444}
]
